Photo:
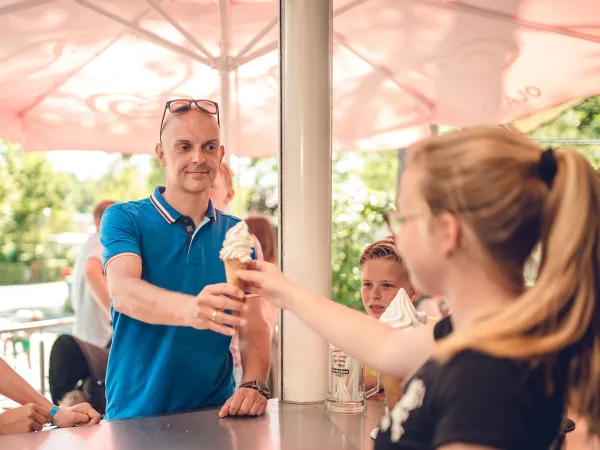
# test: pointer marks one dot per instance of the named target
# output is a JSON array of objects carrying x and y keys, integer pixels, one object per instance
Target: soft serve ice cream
[
  {"x": 236, "y": 251},
  {"x": 401, "y": 313}
]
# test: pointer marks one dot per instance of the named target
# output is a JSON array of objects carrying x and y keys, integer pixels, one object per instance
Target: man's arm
[
  {"x": 148, "y": 303},
  {"x": 96, "y": 283},
  {"x": 255, "y": 342}
]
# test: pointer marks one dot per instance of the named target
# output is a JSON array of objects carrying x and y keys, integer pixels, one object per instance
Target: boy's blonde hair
[{"x": 382, "y": 249}]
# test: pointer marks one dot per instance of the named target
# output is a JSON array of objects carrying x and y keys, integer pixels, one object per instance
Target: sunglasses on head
[{"x": 181, "y": 106}]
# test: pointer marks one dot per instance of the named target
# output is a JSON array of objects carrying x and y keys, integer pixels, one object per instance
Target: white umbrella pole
[
  {"x": 225, "y": 74},
  {"x": 305, "y": 186}
]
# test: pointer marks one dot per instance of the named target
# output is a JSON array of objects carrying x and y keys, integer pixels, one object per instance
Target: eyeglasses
[
  {"x": 181, "y": 106},
  {"x": 395, "y": 220}
]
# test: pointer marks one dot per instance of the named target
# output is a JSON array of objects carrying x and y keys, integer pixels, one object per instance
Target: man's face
[
  {"x": 220, "y": 193},
  {"x": 190, "y": 151}
]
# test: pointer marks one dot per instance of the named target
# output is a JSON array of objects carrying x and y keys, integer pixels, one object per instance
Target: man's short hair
[
  {"x": 383, "y": 249},
  {"x": 101, "y": 207},
  {"x": 227, "y": 175}
]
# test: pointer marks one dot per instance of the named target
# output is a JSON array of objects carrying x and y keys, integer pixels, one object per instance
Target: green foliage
[
  {"x": 579, "y": 122},
  {"x": 157, "y": 175},
  {"x": 12, "y": 273},
  {"x": 361, "y": 193},
  {"x": 364, "y": 187},
  {"x": 34, "y": 202}
]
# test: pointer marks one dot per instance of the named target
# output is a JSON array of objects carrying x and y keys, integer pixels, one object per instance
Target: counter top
[{"x": 285, "y": 426}]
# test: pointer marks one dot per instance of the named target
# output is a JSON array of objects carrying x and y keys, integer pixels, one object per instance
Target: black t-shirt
[{"x": 476, "y": 399}]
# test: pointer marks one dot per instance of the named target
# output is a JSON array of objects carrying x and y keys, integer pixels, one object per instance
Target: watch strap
[{"x": 259, "y": 387}]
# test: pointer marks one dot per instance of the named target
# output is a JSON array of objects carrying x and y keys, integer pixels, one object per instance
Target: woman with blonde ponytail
[{"x": 472, "y": 207}]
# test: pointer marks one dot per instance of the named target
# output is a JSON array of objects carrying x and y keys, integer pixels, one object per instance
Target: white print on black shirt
[{"x": 412, "y": 399}]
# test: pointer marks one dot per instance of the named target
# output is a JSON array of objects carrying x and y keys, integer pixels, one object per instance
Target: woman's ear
[{"x": 450, "y": 233}]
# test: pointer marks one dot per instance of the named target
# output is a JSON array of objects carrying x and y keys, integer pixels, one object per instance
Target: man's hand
[
  {"x": 244, "y": 402},
  {"x": 24, "y": 419},
  {"x": 207, "y": 309},
  {"x": 82, "y": 414}
]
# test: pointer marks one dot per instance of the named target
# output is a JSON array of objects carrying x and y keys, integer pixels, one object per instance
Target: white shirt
[{"x": 92, "y": 320}]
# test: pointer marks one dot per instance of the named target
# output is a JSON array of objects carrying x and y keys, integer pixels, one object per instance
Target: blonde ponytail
[{"x": 558, "y": 319}]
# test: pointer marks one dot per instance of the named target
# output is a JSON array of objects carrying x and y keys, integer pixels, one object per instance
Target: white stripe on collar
[{"x": 161, "y": 209}]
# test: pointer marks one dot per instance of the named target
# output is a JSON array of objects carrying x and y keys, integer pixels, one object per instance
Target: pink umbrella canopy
[{"x": 95, "y": 74}]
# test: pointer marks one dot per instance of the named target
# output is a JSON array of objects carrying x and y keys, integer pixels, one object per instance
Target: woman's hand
[
  {"x": 82, "y": 414},
  {"x": 266, "y": 280},
  {"x": 23, "y": 419}
]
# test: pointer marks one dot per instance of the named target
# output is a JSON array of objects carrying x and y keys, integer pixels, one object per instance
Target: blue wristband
[{"x": 54, "y": 410}]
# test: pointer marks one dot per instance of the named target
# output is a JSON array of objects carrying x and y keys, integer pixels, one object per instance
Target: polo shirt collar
[{"x": 169, "y": 213}]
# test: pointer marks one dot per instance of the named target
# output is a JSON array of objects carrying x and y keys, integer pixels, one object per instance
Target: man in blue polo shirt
[{"x": 171, "y": 320}]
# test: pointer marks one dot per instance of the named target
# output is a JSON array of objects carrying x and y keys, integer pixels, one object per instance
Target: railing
[{"x": 39, "y": 327}]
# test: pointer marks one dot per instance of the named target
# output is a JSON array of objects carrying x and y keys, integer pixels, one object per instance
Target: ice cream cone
[
  {"x": 393, "y": 389},
  {"x": 231, "y": 268}
]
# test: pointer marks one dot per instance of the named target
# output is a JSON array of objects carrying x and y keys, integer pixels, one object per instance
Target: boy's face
[{"x": 381, "y": 281}]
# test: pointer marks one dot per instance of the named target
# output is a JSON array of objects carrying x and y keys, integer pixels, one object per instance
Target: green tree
[
  {"x": 363, "y": 188},
  {"x": 579, "y": 122},
  {"x": 34, "y": 202},
  {"x": 121, "y": 182},
  {"x": 157, "y": 176}
]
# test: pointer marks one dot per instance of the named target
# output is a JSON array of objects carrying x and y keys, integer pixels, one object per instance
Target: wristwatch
[{"x": 258, "y": 386}]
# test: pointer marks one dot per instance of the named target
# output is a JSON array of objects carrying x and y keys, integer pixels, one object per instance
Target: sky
[{"x": 90, "y": 164}]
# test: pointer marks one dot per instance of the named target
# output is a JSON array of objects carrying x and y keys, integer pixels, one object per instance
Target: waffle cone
[
  {"x": 393, "y": 389},
  {"x": 231, "y": 268}
]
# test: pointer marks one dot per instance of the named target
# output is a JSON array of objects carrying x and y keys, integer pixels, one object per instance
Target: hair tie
[{"x": 548, "y": 166}]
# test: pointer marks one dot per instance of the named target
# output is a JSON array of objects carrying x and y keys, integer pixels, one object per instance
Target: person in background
[
  {"x": 264, "y": 233},
  {"x": 221, "y": 191},
  {"x": 89, "y": 293},
  {"x": 383, "y": 275},
  {"x": 37, "y": 410},
  {"x": 472, "y": 207},
  {"x": 221, "y": 194},
  {"x": 435, "y": 306}
]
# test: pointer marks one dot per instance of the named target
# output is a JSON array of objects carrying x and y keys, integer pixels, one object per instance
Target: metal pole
[
  {"x": 225, "y": 74},
  {"x": 42, "y": 366},
  {"x": 567, "y": 141},
  {"x": 305, "y": 185}
]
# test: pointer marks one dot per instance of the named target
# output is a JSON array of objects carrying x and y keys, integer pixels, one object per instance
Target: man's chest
[{"x": 181, "y": 262}]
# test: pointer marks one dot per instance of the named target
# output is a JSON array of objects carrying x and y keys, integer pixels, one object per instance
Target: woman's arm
[
  {"x": 389, "y": 351},
  {"x": 13, "y": 386},
  {"x": 375, "y": 344}
]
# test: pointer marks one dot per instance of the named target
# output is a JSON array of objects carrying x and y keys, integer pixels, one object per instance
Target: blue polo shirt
[{"x": 155, "y": 369}]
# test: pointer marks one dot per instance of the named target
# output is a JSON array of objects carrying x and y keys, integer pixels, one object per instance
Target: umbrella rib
[
  {"x": 71, "y": 74},
  {"x": 185, "y": 33},
  {"x": 385, "y": 71},
  {"x": 265, "y": 49},
  {"x": 348, "y": 7},
  {"x": 241, "y": 57},
  {"x": 21, "y": 6},
  {"x": 148, "y": 35},
  {"x": 504, "y": 17},
  {"x": 262, "y": 33}
]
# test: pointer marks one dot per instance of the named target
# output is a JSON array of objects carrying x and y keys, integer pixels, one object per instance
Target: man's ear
[
  {"x": 222, "y": 151},
  {"x": 160, "y": 154}
]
